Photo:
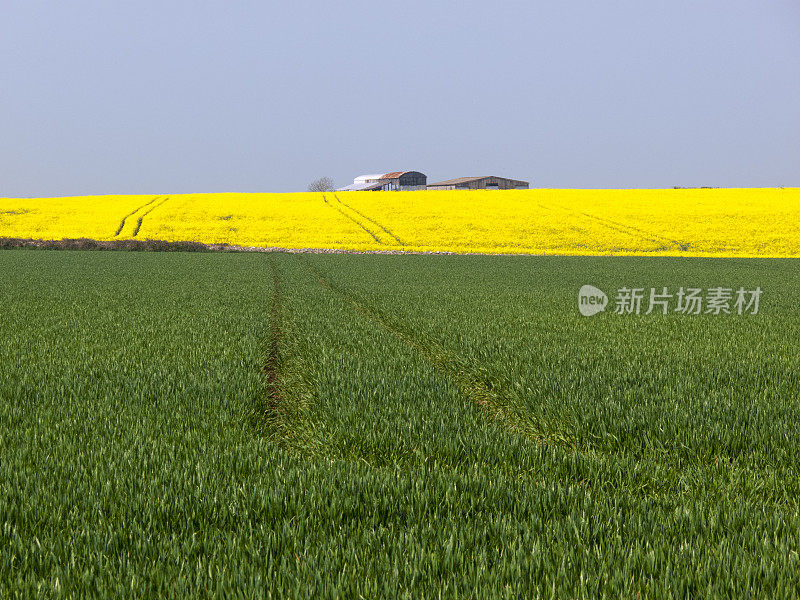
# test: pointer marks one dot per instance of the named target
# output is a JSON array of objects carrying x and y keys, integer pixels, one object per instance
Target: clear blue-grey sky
[{"x": 169, "y": 96}]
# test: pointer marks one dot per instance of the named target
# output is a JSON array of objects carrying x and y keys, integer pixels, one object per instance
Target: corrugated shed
[
  {"x": 458, "y": 180},
  {"x": 503, "y": 182}
]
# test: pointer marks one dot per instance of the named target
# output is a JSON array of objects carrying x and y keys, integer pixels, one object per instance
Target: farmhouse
[
  {"x": 488, "y": 182},
  {"x": 396, "y": 180}
]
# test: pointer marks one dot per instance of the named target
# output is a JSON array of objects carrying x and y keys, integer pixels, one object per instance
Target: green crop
[{"x": 275, "y": 425}]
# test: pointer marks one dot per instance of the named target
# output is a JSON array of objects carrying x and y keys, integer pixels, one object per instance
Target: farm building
[
  {"x": 480, "y": 183},
  {"x": 397, "y": 180}
]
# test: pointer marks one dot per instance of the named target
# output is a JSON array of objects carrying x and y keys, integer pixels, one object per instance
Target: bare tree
[{"x": 323, "y": 184}]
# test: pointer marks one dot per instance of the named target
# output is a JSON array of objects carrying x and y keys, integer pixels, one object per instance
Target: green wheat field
[{"x": 180, "y": 425}]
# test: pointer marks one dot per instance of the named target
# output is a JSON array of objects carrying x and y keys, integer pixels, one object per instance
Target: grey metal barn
[{"x": 488, "y": 182}]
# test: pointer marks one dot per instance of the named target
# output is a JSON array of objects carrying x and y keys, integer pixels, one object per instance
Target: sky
[{"x": 231, "y": 96}]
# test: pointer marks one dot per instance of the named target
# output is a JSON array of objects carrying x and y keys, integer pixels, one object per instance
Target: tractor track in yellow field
[
  {"x": 371, "y": 220},
  {"x": 648, "y": 235},
  {"x": 624, "y": 228},
  {"x": 352, "y": 218},
  {"x": 368, "y": 224},
  {"x": 130, "y": 214},
  {"x": 144, "y": 214}
]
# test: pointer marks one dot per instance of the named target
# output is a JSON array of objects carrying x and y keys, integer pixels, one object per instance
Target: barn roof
[
  {"x": 361, "y": 186},
  {"x": 362, "y": 178},
  {"x": 392, "y": 175},
  {"x": 458, "y": 180}
]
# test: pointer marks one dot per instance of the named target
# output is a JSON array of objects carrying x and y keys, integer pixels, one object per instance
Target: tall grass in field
[{"x": 192, "y": 425}]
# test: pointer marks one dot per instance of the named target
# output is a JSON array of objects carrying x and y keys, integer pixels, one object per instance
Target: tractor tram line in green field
[
  {"x": 501, "y": 404},
  {"x": 472, "y": 387},
  {"x": 268, "y": 408},
  {"x": 279, "y": 412}
]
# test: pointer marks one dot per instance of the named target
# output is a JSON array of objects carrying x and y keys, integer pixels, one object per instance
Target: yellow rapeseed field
[{"x": 682, "y": 222}]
